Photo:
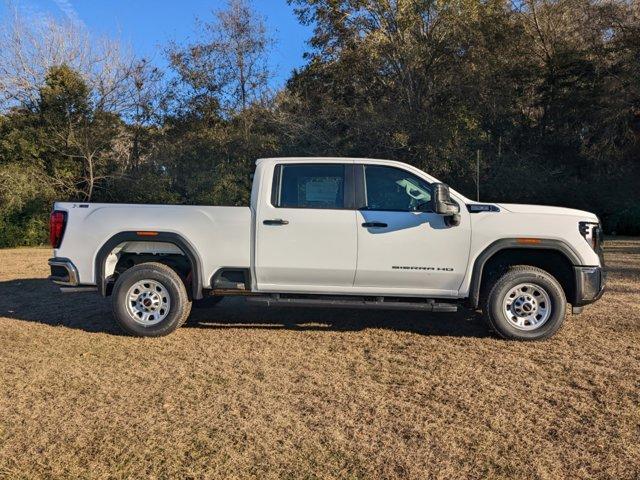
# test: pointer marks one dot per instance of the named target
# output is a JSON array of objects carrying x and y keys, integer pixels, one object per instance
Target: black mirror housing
[{"x": 441, "y": 202}]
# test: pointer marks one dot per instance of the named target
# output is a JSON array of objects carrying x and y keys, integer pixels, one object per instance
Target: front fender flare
[{"x": 510, "y": 243}]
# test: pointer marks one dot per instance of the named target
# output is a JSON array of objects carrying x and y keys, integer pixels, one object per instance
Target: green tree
[
  {"x": 80, "y": 139},
  {"x": 212, "y": 139}
]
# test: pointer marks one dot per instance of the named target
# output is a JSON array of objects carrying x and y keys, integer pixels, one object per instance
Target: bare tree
[
  {"x": 120, "y": 96},
  {"x": 31, "y": 47},
  {"x": 230, "y": 62}
]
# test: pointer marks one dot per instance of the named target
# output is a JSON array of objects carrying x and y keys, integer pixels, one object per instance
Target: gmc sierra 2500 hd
[{"x": 335, "y": 232}]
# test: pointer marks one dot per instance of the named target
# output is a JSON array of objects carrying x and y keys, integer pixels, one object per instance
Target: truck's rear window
[{"x": 311, "y": 186}]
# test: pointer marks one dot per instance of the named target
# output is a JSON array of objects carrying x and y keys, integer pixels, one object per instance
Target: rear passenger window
[{"x": 311, "y": 186}]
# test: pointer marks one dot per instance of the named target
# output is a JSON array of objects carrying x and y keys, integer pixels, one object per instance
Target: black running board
[
  {"x": 79, "y": 289},
  {"x": 383, "y": 303}
]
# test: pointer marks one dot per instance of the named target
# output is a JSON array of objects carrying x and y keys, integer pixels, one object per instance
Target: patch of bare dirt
[{"x": 311, "y": 393}]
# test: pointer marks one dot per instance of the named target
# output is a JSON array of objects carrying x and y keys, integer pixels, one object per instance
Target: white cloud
[{"x": 68, "y": 9}]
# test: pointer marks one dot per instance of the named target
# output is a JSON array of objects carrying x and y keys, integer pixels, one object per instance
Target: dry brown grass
[{"x": 314, "y": 393}]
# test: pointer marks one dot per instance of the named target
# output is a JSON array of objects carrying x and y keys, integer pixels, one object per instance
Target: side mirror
[{"x": 442, "y": 204}]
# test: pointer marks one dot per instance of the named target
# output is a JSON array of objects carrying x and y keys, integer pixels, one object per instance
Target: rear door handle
[
  {"x": 374, "y": 225},
  {"x": 277, "y": 221}
]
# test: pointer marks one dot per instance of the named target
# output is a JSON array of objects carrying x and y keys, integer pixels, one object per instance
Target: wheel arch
[
  {"x": 555, "y": 253},
  {"x": 163, "y": 237}
]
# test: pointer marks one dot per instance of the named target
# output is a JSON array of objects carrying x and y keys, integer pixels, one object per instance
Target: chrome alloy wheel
[
  {"x": 148, "y": 302},
  {"x": 527, "y": 306}
]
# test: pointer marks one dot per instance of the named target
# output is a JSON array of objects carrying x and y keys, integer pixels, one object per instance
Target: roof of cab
[
  {"x": 353, "y": 160},
  {"x": 325, "y": 159}
]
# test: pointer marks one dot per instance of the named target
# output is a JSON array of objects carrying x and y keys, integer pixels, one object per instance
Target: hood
[{"x": 547, "y": 210}]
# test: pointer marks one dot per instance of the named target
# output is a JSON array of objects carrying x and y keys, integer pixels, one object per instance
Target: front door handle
[
  {"x": 374, "y": 225},
  {"x": 277, "y": 221}
]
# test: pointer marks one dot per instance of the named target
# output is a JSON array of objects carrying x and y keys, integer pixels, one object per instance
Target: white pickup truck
[{"x": 344, "y": 232}]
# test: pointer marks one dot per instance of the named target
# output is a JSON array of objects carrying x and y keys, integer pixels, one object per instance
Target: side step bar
[
  {"x": 382, "y": 303},
  {"x": 79, "y": 289}
]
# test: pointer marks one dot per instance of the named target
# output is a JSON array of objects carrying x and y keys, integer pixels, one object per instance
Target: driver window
[{"x": 389, "y": 188}]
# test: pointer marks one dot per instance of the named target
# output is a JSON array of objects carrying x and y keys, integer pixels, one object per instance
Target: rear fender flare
[{"x": 167, "y": 237}]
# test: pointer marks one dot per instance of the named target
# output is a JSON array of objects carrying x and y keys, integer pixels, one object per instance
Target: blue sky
[{"x": 149, "y": 25}]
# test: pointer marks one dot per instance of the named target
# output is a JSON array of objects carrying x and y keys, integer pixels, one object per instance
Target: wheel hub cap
[
  {"x": 148, "y": 302},
  {"x": 527, "y": 306}
]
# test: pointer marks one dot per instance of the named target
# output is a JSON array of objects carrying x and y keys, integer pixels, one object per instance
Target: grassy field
[{"x": 252, "y": 393}]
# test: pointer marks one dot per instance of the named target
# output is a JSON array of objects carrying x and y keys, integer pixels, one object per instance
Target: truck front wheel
[
  {"x": 150, "y": 300},
  {"x": 526, "y": 303}
]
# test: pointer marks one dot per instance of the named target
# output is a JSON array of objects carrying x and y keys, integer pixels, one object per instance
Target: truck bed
[{"x": 220, "y": 235}]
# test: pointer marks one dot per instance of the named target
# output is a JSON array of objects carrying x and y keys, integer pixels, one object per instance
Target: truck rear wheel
[
  {"x": 526, "y": 303},
  {"x": 150, "y": 300}
]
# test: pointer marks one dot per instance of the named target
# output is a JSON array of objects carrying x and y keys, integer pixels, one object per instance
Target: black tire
[
  {"x": 496, "y": 317},
  {"x": 179, "y": 306}
]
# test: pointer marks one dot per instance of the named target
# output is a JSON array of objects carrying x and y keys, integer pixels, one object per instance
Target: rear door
[
  {"x": 402, "y": 245},
  {"x": 306, "y": 236}
]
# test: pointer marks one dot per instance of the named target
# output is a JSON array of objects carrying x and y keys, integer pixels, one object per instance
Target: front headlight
[{"x": 592, "y": 233}]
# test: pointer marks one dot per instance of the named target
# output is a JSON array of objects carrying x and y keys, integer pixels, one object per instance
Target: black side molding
[{"x": 166, "y": 237}]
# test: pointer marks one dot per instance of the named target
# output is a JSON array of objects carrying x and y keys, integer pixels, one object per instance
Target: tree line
[{"x": 545, "y": 93}]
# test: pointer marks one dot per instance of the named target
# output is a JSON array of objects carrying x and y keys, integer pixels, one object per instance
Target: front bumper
[
  {"x": 63, "y": 272},
  {"x": 590, "y": 285}
]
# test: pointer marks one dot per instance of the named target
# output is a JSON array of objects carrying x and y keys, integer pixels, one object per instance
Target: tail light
[{"x": 57, "y": 224}]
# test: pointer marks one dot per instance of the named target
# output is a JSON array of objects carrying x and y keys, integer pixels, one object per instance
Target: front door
[
  {"x": 402, "y": 245},
  {"x": 306, "y": 237}
]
